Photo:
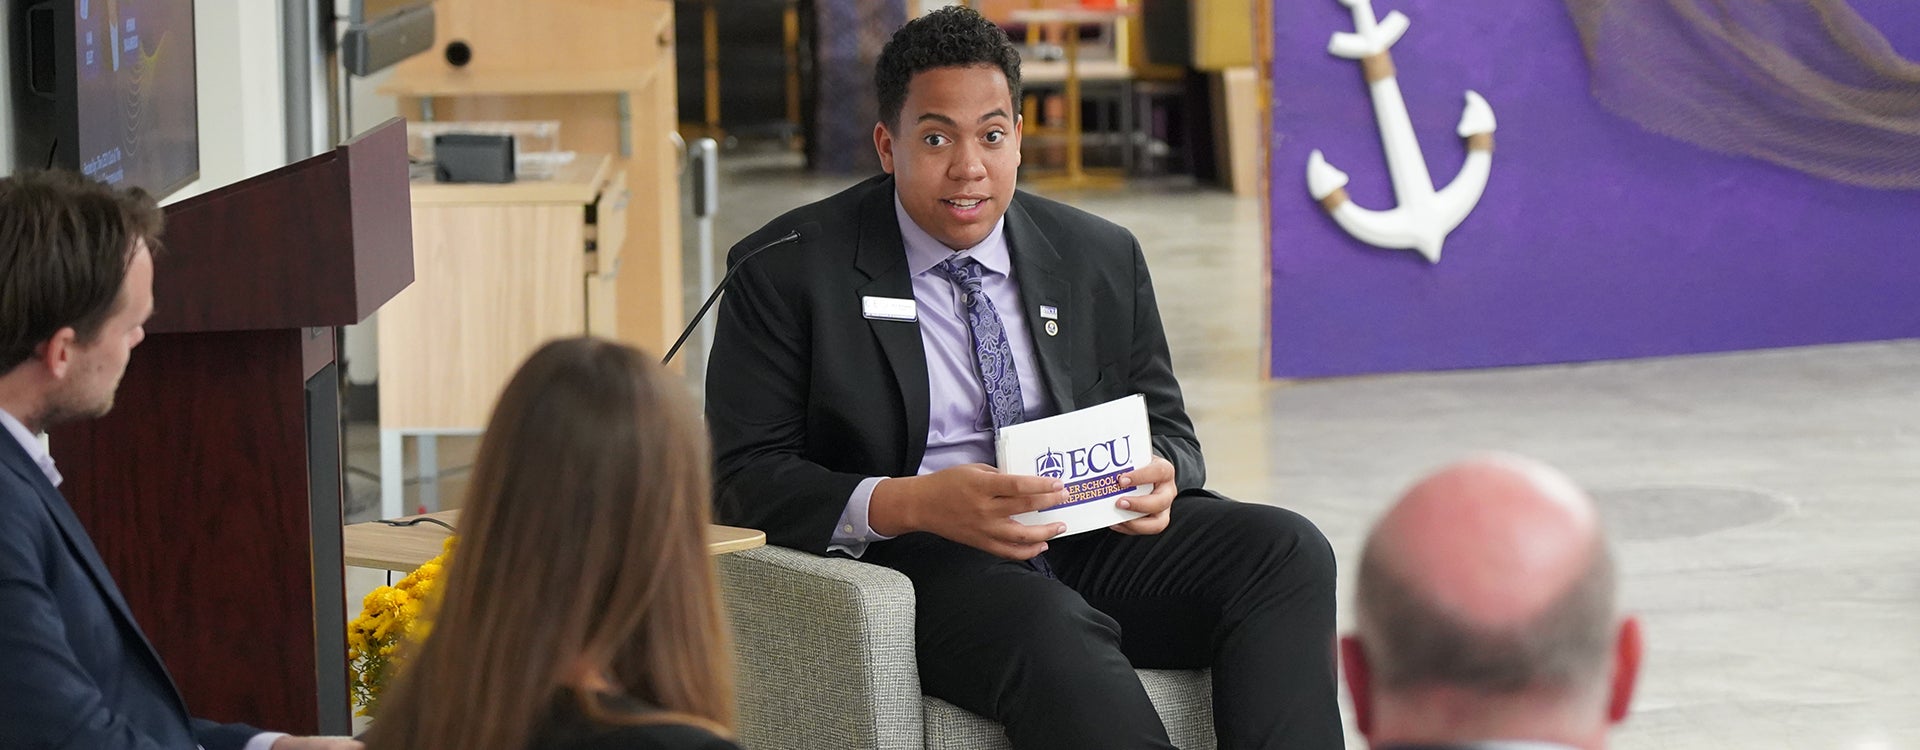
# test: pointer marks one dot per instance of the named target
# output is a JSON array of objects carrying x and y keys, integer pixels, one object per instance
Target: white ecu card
[
  {"x": 889, "y": 308},
  {"x": 1088, "y": 449}
]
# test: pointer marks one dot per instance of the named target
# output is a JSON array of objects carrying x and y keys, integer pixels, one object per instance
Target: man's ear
[
  {"x": 883, "y": 144},
  {"x": 1626, "y": 669},
  {"x": 1019, "y": 132},
  {"x": 56, "y": 353},
  {"x": 1353, "y": 662}
]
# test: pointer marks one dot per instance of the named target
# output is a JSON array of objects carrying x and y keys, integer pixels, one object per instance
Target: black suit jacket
[
  {"x": 806, "y": 397},
  {"x": 75, "y": 670}
]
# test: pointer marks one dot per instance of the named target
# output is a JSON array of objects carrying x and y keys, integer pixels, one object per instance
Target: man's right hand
[{"x": 972, "y": 504}]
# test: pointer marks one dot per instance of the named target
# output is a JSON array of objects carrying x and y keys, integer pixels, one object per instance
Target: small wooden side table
[{"x": 403, "y": 548}]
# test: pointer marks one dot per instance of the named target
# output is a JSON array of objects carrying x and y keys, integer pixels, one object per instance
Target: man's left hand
[
  {"x": 317, "y": 743},
  {"x": 1157, "y": 505}
]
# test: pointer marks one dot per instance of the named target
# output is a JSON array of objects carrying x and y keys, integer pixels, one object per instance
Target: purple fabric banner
[
  {"x": 1594, "y": 239},
  {"x": 847, "y": 41}
]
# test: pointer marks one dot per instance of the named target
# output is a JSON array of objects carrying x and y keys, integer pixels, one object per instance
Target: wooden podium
[{"x": 213, "y": 489}]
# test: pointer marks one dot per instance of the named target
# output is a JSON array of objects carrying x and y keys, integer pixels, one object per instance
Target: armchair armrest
[{"x": 824, "y": 649}]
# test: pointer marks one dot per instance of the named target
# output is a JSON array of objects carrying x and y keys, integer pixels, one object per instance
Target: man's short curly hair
[{"x": 954, "y": 36}]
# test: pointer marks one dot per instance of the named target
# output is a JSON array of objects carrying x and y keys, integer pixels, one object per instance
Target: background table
[{"x": 1076, "y": 173}]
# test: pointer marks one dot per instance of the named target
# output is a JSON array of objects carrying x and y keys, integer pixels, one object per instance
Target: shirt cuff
[
  {"x": 851, "y": 533},
  {"x": 265, "y": 740}
]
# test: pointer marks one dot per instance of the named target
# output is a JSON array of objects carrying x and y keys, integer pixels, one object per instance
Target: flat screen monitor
[{"x": 110, "y": 91}]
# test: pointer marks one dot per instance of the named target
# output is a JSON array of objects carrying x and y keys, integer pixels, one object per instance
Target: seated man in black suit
[
  {"x": 859, "y": 375},
  {"x": 1486, "y": 616},
  {"x": 76, "y": 277}
]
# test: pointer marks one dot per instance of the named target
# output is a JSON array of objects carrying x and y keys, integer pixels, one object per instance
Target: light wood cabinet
[
  {"x": 498, "y": 271},
  {"x": 605, "y": 70}
]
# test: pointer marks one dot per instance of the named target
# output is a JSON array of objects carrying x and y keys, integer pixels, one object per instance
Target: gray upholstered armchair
[{"x": 826, "y": 660}]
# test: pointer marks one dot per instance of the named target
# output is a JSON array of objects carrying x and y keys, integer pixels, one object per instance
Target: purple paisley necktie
[
  {"x": 990, "y": 350},
  {"x": 994, "y": 358}
]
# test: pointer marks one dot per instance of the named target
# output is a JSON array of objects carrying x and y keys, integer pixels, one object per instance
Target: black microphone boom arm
[{"x": 792, "y": 236}]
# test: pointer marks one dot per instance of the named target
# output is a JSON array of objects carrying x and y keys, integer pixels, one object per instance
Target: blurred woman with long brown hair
[{"x": 580, "y": 609}]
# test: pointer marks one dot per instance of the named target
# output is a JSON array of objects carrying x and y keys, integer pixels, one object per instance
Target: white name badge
[{"x": 889, "y": 308}]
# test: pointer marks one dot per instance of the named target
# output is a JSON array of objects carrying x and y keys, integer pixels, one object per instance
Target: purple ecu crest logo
[
  {"x": 1080, "y": 463},
  {"x": 1050, "y": 464}
]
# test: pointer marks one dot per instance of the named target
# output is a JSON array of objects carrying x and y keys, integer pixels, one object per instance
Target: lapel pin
[
  {"x": 1053, "y": 328},
  {"x": 1049, "y": 312}
]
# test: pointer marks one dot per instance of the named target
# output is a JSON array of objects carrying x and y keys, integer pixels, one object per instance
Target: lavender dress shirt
[{"x": 959, "y": 429}]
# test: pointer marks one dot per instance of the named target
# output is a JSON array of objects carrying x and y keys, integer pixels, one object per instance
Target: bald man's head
[{"x": 1492, "y": 576}]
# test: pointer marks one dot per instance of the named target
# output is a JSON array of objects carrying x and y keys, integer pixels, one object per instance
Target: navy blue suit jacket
[{"x": 75, "y": 670}]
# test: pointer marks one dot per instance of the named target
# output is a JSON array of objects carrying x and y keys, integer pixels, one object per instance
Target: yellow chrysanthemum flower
[{"x": 390, "y": 617}]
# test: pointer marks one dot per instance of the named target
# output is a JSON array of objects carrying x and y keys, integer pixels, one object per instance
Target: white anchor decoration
[{"x": 1424, "y": 216}]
